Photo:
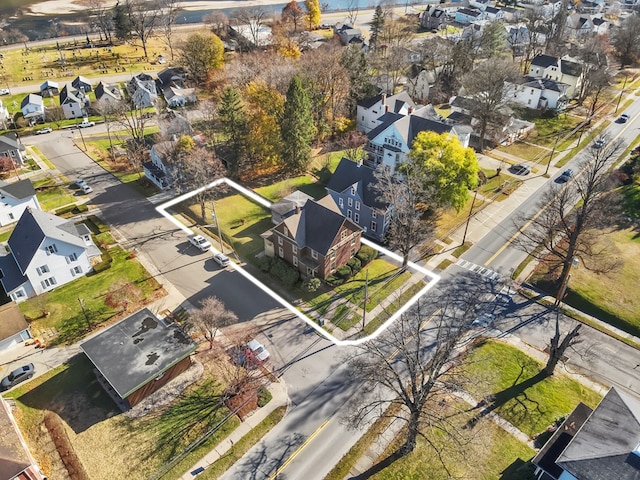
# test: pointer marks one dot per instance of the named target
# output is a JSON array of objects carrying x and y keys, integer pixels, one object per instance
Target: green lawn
[
  {"x": 531, "y": 408},
  {"x": 490, "y": 452},
  {"x": 612, "y": 297},
  {"x": 108, "y": 443},
  {"x": 547, "y": 129},
  {"x": 304, "y": 183},
  {"x": 587, "y": 139},
  {"x": 55, "y": 197},
  {"x": 524, "y": 151},
  {"x": 63, "y": 303},
  {"x": 382, "y": 317}
]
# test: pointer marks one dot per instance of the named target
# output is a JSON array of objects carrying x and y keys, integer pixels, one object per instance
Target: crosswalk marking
[{"x": 479, "y": 269}]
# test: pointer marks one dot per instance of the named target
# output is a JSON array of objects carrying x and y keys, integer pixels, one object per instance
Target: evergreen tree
[
  {"x": 232, "y": 115},
  {"x": 297, "y": 128},
  {"x": 355, "y": 62},
  {"x": 313, "y": 13},
  {"x": 121, "y": 22},
  {"x": 377, "y": 24}
]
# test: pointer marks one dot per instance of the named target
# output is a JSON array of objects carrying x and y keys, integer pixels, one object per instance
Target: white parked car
[
  {"x": 4, "y": 91},
  {"x": 484, "y": 320},
  {"x": 86, "y": 188},
  {"x": 199, "y": 242},
  {"x": 86, "y": 123},
  {"x": 257, "y": 350},
  {"x": 221, "y": 259}
]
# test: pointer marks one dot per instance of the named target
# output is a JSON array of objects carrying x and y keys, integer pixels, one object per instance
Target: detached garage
[
  {"x": 138, "y": 355},
  {"x": 14, "y": 329}
]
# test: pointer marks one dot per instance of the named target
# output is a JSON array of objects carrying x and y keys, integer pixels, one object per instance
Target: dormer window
[
  {"x": 353, "y": 190},
  {"x": 51, "y": 249}
]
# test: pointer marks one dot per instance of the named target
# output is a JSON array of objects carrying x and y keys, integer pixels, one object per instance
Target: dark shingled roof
[
  {"x": 12, "y": 277},
  {"x": 370, "y": 102},
  {"x": 570, "y": 68},
  {"x": 31, "y": 98},
  {"x": 19, "y": 190},
  {"x": 492, "y": 10},
  {"x": 136, "y": 350},
  {"x": 33, "y": 227},
  {"x": 544, "y": 61},
  {"x": 316, "y": 226},
  {"x": 349, "y": 173},
  {"x": 544, "y": 84},
  {"x": 603, "y": 449},
  {"x": 385, "y": 120},
  {"x": 548, "y": 454},
  {"x": 469, "y": 12}
]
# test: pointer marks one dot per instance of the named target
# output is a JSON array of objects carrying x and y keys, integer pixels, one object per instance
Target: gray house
[
  {"x": 352, "y": 187},
  {"x": 603, "y": 444},
  {"x": 289, "y": 205},
  {"x": 14, "y": 329}
]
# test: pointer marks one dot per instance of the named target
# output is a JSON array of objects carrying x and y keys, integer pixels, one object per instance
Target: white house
[
  {"x": 156, "y": 169},
  {"x": 108, "y": 92},
  {"x": 14, "y": 199},
  {"x": 75, "y": 103},
  {"x": 45, "y": 251},
  {"x": 564, "y": 70},
  {"x": 600, "y": 25},
  {"x": 4, "y": 114},
  {"x": 579, "y": 26},
  {"x": 390, "y": 142},
  {"x": 540, "y": 93},
  {"x": 371, "y": 109},
  {"x": 493, "y": 13},
  {"x": 142, "y": 90},
  {"x": 179, "y": 97},
  {"x": 11, "y": 148},
  {"x": 32, "y": 108}
]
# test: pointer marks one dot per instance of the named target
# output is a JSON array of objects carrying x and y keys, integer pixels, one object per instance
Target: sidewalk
[{"x": 279, "y": 398}]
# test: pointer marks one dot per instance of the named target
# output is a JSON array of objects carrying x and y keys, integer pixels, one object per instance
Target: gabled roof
[
  {"x": 32, "y": 229},
  {"x": 408, "y": 126},
  {"x": 469, "y": 12},
  {"x": 349, "y": 173},
  {"x": 136, "y": 350},
  {"x": 111, "y": 91},
  {"x": 597, "y": 21},
  {"x": 11, "y": 322},
  {"x": 290, "y": 202},
  {"x": 370, "y": 102},
  {"x": 171, "y": 74},
  {"x": 569, "y": 67},
  {"x": 316, "y": 226},
  {"x": 9, "y": 141},
  {"x": 544, "y": 61},
  {"x": 544, "y": 84},
  {"x": 171, "y": 92},
  {"x": 385, "y": 120},
  {"x": 14, "y": 458},
  {"x": 603, "y": 449},
  {"x": 49, "y": 84},
  {"x": 32, "y": 98},
  {"x": 18, "y": 190},
  {"x": 68, "y": 95},
  {"x": 493, "y": 10},
  {"x": 80, "y": 81}
]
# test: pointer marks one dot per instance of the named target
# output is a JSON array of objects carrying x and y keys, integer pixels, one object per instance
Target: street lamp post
[
  {"x": 466, "y": 227},
  {"x": 214, "y": 217}
]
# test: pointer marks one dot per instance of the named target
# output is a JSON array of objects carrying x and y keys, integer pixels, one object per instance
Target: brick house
[{"x": 316, "y": 240}]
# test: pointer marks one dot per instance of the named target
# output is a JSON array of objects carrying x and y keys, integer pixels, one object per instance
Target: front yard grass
[
  {"x": 531, "y": 407},
  {"x": 490, "y": 453},
  {"x": 383, "y": 316},
  {"x": 53, "y": 197},
  {"x": 526, "y": 151},
  {"x": 65, "y": 314},
  {"x": 107, "y": 443}
]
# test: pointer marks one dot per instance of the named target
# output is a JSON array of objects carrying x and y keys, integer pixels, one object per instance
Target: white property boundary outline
[{"x": 265, "y": 203}]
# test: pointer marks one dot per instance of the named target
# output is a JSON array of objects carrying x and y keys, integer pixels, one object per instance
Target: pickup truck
[
  {"x": 199, "y": 242},
  {"x": 86, "y": 123}
]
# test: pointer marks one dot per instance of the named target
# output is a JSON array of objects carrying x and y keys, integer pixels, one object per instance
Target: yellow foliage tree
[
  {"x": 266, "y": 107},
  {"x": 313, "y": 13}
]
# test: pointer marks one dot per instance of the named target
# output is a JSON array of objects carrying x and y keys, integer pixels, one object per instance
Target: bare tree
[
  {"x": 144, "y": 17},
  {"x": 532, "y": 43},
  {"x": 558, "y": 345},
  {"x": 201, "y": 167},
  {"x": 134, "y": 122},
  {"x": 253, "y": 19},
  {"x": 55, "y": 115},
  {"x": 109, "y": 109},
  {"x": 413, "y": 367},
  {"x": 352, "y": 12},
  {"x": 397, "y": 32},
  {"x": 556, "y": 30},
  {"x": 412, "y": 220},
  {"x": 218, "y": 22},
  {"x": 352, "y": 143},
  {"x": 572, "y": 219},
  {"x": 490, "y": 85},
  {"x": 103, "y": 17},
  {"x": 626, "y": 40},
  {"x": 167, "y": 20},
  {"x": 210, "y": 318}
]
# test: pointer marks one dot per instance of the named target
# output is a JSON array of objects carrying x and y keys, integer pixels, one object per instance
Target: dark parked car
[
  {"x": 520, "y": 169},
  {"x": 17, "y": 376},
  {"x": 565, "y": 176},
  {"x": 622, "y": 118},
  {"x": 599, "y": 143}
]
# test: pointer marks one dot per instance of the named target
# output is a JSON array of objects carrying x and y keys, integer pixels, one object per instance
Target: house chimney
[
  {"x": 384, "y": 99},
  {"x": 386, "y": 108},
  {"x": 410, "y": 110},
  {"x": 297, "y": 209},
  {"x": 360, "y": 162}
]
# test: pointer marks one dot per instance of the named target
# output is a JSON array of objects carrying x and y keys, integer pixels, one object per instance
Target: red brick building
[{"x": 316, "y": 240}]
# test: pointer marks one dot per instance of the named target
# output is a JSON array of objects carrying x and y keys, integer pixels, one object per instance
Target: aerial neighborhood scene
[{"x": 306, "y": 241}]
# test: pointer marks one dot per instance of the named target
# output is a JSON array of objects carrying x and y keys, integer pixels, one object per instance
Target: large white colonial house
[
  {"x": 45, "y": 251},
  {"x": 15, "y": 198}
]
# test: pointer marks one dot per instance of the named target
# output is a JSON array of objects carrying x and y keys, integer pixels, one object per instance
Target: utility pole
[
  {"x": 81, "y": 135},
  {"x": 466, "y": 227},
  {"x": 621, "y": 92},
  {"x": 552, "y": 152},
  {"x": 366, "y": 291},
  {"x": 215, "y": 218}
]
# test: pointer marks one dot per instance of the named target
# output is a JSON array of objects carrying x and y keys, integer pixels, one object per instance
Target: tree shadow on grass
[
  {"x": 519, "y": 470},
  {"x": 516, "y": 392},
  {"x": 381, "y": 465}
]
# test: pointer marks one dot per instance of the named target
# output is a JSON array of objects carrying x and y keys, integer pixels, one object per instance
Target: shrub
[
  {"x": 311, "y": 284},
  {"x": 355, "y": 265},
  {"x": 265, "y": 263},
  {"x": 344, "y": 272},
  {"x": 366, "y": 254},
  {"x": 334, "y": 281},
  {"x": 264, "y": 397},
  {"x": 65, "y": 209},
  {"x": 283, "y": 272}
]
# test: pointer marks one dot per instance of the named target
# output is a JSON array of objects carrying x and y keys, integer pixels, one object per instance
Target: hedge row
[
  {"x": 353, "y": 266},
  {"x": 281, "y": 270}
]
